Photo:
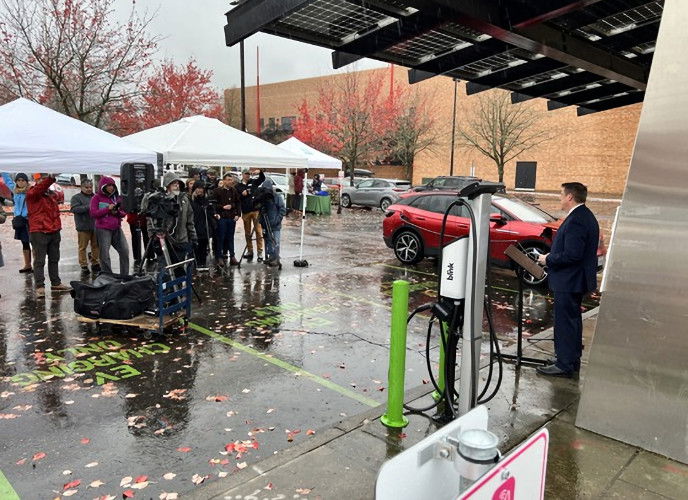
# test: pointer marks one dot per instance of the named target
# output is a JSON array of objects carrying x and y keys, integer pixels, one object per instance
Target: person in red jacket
[{"x": 44, "y": 233}]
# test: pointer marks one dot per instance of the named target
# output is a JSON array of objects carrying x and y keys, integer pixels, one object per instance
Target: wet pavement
[{"x": 271, "y": 359}]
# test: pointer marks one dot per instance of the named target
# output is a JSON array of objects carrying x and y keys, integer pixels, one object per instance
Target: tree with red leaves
[
  {"x": 72, "y": 56},
  {"x": 350, "y": 118},
  {"x": 173, "y": 93}
]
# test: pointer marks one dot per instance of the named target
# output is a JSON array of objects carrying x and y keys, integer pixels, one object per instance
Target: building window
[
  {"x": 271, "y": 123},
  {"x": 288, "y": 123}
]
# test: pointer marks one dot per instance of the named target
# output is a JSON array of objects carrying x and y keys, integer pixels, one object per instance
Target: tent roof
[
  {"x": 199, "y": 140},
  {"x": 34, "y": 138},
  {"x": 316, "y": 159}
]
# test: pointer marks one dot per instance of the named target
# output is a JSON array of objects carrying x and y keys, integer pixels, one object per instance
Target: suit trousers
[
  {"x": 568, "y": 330},
  {"x": 46, "y": 244},
  {"x": 84, "y": 238},
  {"x": 251, "y": 218}
]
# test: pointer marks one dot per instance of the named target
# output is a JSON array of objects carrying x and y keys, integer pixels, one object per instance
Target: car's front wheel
[
  {"x": 385, "y": 203},
  {"x": 532, "y": 251},
  {"x": 346, "y": 201},
  {"x": 408, "y": 247}
]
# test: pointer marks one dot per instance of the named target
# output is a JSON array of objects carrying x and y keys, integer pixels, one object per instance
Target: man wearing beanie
[{"x": 44, "y": 229}]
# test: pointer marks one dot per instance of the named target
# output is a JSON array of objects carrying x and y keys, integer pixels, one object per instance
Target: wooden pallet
[{"x": 142, "y": 321}]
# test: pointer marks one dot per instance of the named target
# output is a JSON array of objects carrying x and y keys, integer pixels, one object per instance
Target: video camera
[{"x": 161, "y": 209}]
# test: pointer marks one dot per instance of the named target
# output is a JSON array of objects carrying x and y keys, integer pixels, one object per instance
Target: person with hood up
[
  {"x": 20, "y": 222},
  {"x": 105, "y": 209},
  {"x": 204, "y": 220},
  {"x": 272, "y": 214},
  {"x": 44, "y": 231},
  {"x": 180, "y": 229}
]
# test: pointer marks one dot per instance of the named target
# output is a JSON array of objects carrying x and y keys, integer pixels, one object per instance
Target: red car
[{"x": 412, "y": 227}]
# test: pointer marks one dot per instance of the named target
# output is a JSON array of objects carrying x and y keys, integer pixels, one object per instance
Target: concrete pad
[
  {"x": 622, "y": 489},
  {"x": 658, "y": 474}
]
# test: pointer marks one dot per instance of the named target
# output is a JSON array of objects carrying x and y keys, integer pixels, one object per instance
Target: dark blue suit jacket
[{"x": 572, "y": 261}]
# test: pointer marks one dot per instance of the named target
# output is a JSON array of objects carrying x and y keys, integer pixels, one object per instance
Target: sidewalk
[{"x": 342, "y": 462}]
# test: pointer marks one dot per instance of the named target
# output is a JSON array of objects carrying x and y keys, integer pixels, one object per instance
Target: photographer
[
  {"x": 178, "y": 225},
  {"x": 105, "y": 209},
  {"x": 204, "y": 220},
  {"x": 249, "y": 214},
  {"x": 229, "y": 211},
  {"x": 272, "y": 212}
]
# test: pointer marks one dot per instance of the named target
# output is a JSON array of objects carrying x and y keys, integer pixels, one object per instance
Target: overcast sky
[{"x": 195, "y": 28}]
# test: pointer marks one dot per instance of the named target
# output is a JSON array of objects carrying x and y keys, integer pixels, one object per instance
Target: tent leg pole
[{"x": 301, "y": 262}]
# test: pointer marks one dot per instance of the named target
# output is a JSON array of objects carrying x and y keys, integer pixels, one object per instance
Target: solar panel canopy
[{"x": 594, "y": 54}]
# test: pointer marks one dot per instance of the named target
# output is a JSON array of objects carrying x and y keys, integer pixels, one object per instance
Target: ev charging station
[{"x": 449, "y": 463}]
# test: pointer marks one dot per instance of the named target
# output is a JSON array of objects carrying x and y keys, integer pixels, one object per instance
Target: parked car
[
  {"x": 412, "y": 228},
  {"x": 454, "y": 183},
  {"x": 374, "y": 193},
  {"x": 69, "y": 179},
  {"x": 333, "y": 182}
]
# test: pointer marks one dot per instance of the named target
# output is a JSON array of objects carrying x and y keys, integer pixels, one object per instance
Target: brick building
[{"x": 594, "y": 149}]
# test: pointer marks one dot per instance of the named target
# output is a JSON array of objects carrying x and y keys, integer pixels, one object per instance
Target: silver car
[{"x": 374, "y": 192}]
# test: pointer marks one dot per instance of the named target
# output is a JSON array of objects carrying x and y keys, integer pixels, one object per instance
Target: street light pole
[
  {"x": 453, "y": 134},
  {"x": 243, "y": 86}
]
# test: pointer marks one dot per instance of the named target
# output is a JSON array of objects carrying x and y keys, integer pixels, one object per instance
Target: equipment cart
[{"x": 173, "y": 302}]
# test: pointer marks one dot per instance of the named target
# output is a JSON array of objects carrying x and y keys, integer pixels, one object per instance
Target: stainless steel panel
[{"x": 636, "y": 384}]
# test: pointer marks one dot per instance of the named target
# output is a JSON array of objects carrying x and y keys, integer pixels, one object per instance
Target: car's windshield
[{"x": 522, "y": 210}]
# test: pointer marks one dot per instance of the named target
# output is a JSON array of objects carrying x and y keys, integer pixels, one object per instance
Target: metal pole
[
  {"x": 243, "y": 86},
  {"x": 258, "y": 127},
  {"x": 394, "y": 416},
  {"x": 453, "y": 134}
]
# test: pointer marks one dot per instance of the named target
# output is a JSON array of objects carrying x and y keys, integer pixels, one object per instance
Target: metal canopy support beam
[
  {"x": 614, "y": 102},
  {"x": 487, "y": 17},
  {"x": 587, "y": 95},
  {"x": 553, "y": 86},
  {"x": 248, "y": 18},
  {"x": 509, "y": 75},
  {"x": 454, "y": 60}
]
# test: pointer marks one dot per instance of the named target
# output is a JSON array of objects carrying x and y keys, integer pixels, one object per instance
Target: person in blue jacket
[
  {"x": 19, "y": 186},
  {"x": 272, "y": 212}
]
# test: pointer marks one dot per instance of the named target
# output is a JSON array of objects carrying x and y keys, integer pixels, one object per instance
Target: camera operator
[
  {"x": 249, "y": 213},
  {"x": 229, "y": 211},
  {"x": 178, "y": 226},
  {"x": 272, "y": 211},
  {"x": 204, "y": 220},
  {"x": 105, "y": 209}
]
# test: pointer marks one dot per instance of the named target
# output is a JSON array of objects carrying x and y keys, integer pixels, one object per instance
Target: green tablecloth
[{"x": 318, "y": 204}]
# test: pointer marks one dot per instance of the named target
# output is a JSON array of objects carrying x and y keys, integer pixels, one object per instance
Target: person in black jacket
[
  {"x": 204, "y": 220},
  {"x": 85, "y": 226},
  {"x": 572, "y": 267},
  {"x": 249, "y": 214}
]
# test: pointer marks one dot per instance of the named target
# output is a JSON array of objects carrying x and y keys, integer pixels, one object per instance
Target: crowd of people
[{"x": 206, "y": 211}]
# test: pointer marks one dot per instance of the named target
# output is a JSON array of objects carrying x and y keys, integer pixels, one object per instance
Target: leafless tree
[
  {"x": 72, "y": 56},
  {"x": 501, "y": 130},
  {"x": 412, "y": 129}
]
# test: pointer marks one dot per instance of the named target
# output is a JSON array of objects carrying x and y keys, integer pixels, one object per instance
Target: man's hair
[
  {"x": 227, "y": 175},
  {"x": 578, "y": 190},
  {"x": 86, "y": 183}
]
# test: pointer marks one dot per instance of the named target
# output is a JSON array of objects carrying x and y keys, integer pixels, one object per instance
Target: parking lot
[{"x": 270, "y": 359}]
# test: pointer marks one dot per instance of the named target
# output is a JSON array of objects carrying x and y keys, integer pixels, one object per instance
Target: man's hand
[
  {"x": 227, "y": 207},
  {"x": 111, "y": 206},
  {"x": 542, "y": 259},
  {"x": 217, "y": 216},
  {"x": 244, "y": 192}
]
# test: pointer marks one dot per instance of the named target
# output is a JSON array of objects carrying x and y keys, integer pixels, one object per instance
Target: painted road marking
[
  {"x": 287, "y": 366},
  {"x": 6, "y": 490}
]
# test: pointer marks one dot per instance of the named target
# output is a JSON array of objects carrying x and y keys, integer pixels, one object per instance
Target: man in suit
[{"x": 572, "y": 267}]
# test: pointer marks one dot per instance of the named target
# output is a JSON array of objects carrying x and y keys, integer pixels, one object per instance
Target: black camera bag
[{"x": 113, "y": 296}]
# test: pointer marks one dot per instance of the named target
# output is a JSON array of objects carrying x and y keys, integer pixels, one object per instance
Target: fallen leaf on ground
[
  {"x": 21, "y": 462},
  {"x": 184, "y": 449},
  {"x": 246, "y": 391},
  {"x": 92, "y": 464},
  {"x": 140, "y": 486},
  {"x": 69, "y": 493},
  {"x": 303, "y": 491},
  {"x": 141, "y": 479},
  {"x": 196, "y": 479},
  {"x": 85, "y": 440},
  {"x": 268, "y": 486},
  {"x": 38, "y": 456},
  {"x": 175, "y": 394},
  {"x": 128, "y": 494},
  {"x": 72, "y": 484},
  {"x": 217, "y": 399},
  {"x": 222, "y": 474},
  {"x": 310, "y": 432},
  {"x": 241, "y": 465},
  {"x": 131, "y": 395},
  {"x": 169, "y": 475},
  {"x": 168, "y": 496},
  {"x": 125, "y": 480},
  {"x": 96, "y": 483},
  {"x": 66, "y": 472},
  {"x": 7, "y": 416}
]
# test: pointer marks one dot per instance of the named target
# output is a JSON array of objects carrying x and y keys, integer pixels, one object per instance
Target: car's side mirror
[{"x": 498, "y": 219}]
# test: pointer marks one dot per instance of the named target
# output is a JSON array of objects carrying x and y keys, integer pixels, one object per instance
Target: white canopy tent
[
  {"x": 316, "y": 159},
  {"x": 198, "y": 140},
  {"x": 34, "y": 138}
]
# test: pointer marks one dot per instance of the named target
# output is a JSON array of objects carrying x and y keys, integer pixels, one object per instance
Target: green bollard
[
  {"x": 440, "y": 376},
  {"x": 394, "y": 416}
]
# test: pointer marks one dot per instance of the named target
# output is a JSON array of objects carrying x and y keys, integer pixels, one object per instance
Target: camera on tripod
[{"x": 161, "y": 210}]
